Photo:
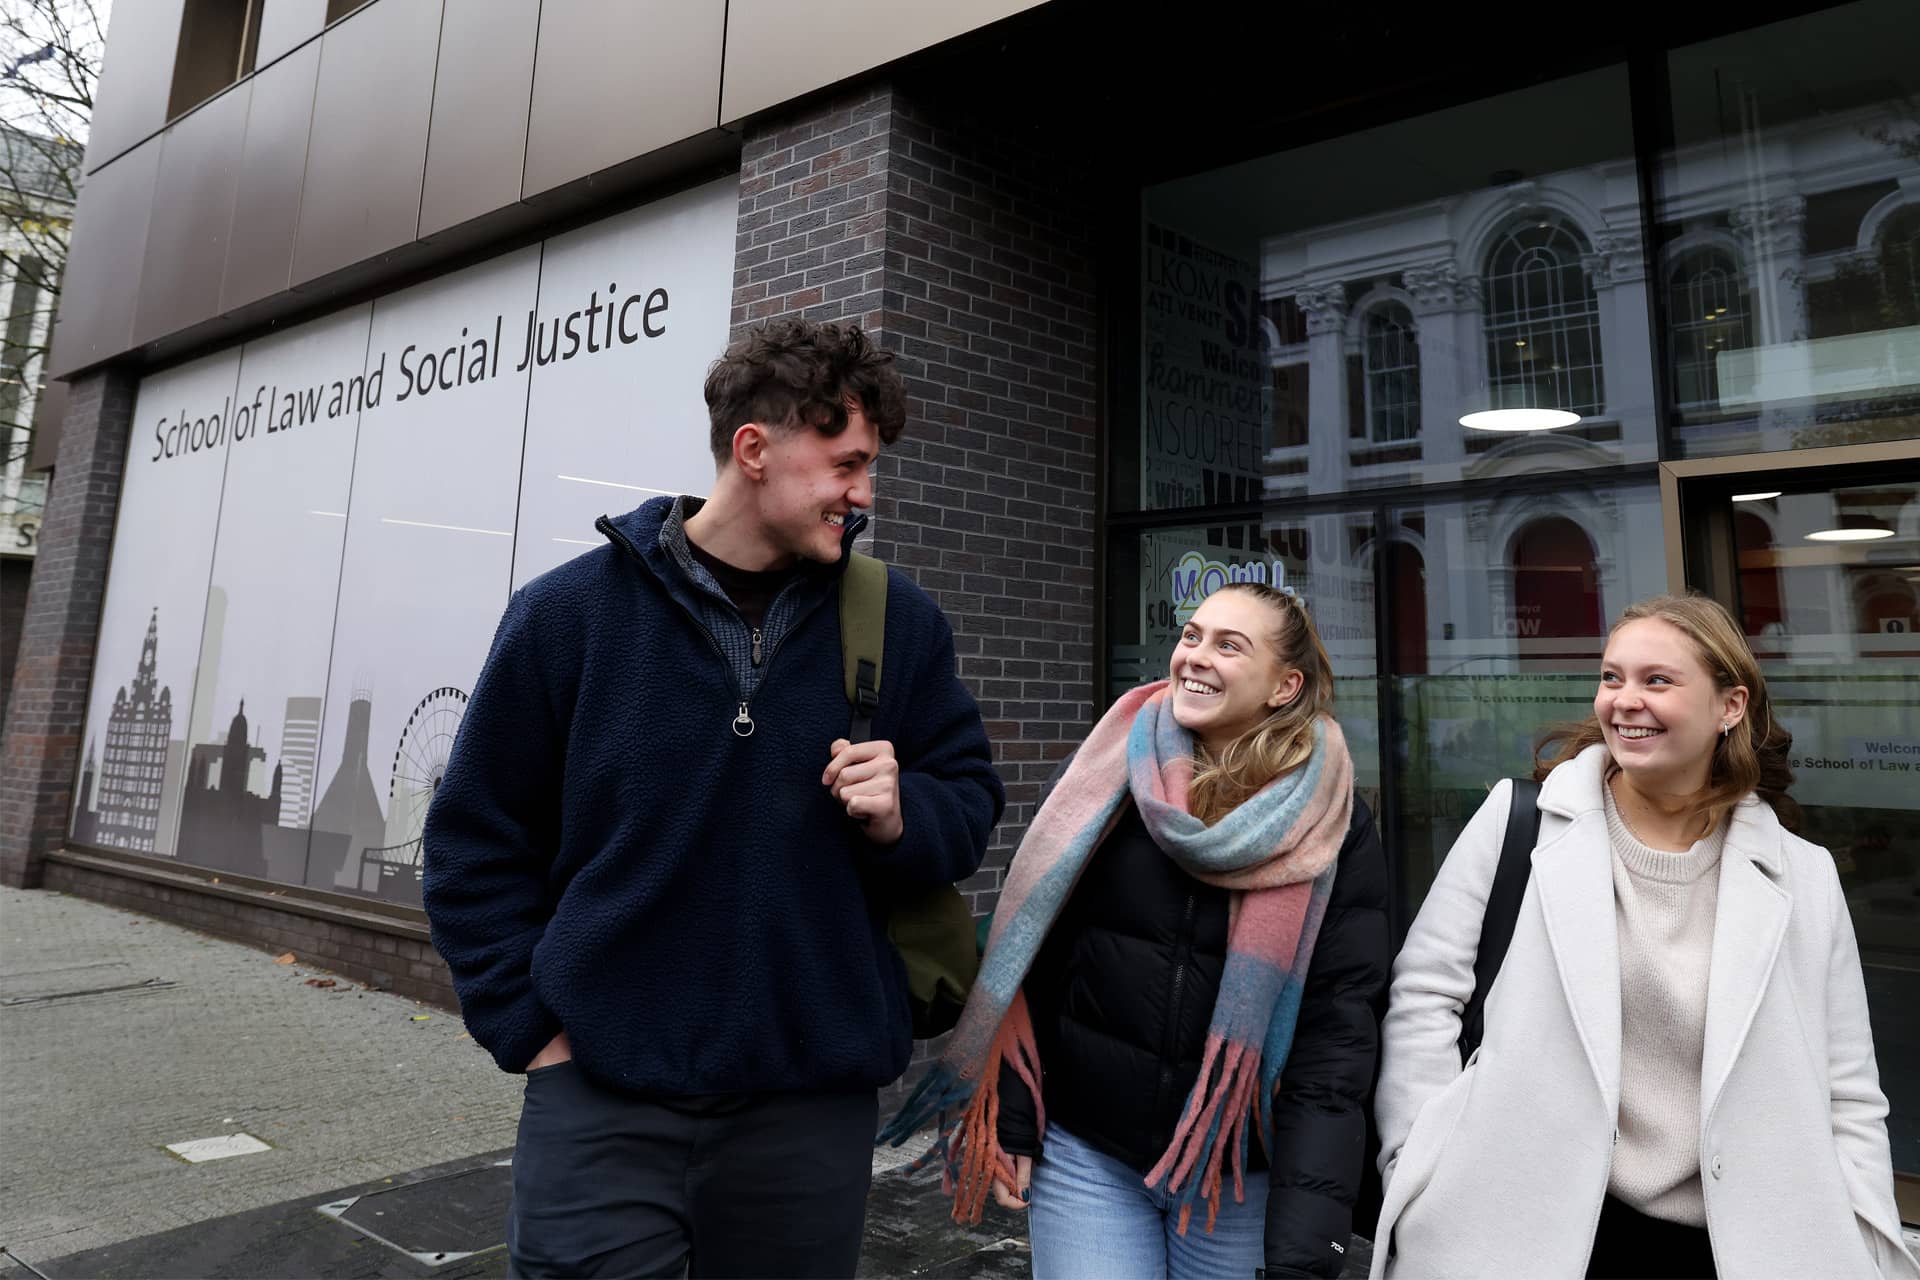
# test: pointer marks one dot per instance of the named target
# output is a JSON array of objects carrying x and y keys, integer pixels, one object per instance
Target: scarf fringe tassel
[
  {"x": 1222, "y": 1099},
  {"x": 969, "y": 1148}
]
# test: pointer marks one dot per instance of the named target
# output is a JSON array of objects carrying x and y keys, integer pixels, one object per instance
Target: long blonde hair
[
  {"x": 1284, "y": 740},
  {"x": 1753, "y": 757}
]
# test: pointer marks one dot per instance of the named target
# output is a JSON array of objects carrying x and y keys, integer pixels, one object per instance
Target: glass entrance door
[{"x": 1822, "y": 570}]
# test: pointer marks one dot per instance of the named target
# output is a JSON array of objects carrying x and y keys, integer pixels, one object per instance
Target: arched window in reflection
[
  {"x": 1899, "y": 254},
  {"x": 1762, "y": 612},
  {"x": 1392, "y": 356},
  {"x": 1542, "y": 319},
  {"x": 1407, "y": 580},
  {"x": 1884, "y": 603},
  {"x": 1556, "y": 586},
  {"x": 1708, "y": 313}
]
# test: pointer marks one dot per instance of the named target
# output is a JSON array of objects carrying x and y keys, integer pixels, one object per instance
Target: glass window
[
  {"x": 1708, "y": 313},
  {"x": 1393, "y": 374},
  {"x": 1323, "y": 319},
  {"x": 1499, "y": 608},
  {"x": 1789, "y": 200},
  {"x": 142, "y": 706},
  {"x": 1543, "y": 319},
  {"x": 1828, "y": 589},
  {"x": 267, "y": 639}
]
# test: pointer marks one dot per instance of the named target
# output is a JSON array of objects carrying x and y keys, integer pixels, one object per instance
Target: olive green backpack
[{"x": 933, "y": 930}]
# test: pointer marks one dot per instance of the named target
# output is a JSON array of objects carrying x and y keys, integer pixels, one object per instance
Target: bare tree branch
[{"x": 50, "y": 55}]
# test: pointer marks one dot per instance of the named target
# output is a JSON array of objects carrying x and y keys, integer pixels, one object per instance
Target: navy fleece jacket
[{"x": 605, "y": 855}]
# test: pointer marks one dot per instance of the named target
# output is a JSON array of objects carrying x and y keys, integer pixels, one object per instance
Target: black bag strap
[
  {"x": 863, "y": 637},
  {"x": 1503, "y": 908}
]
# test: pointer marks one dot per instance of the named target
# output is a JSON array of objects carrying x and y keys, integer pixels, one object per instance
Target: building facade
[{"x": 1467, "y": 345}]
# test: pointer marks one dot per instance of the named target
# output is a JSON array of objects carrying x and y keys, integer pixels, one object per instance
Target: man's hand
[
  {"x": 558, "y": 1050},
  {"x": 1016, "y": 1196},
  {"x": 866, "y": 779}
]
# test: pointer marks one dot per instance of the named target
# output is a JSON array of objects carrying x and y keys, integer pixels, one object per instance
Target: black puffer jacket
[{"x": 1123, "y": 990}]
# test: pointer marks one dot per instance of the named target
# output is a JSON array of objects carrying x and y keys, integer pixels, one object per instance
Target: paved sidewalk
[{"x": 120, "y": 1034}]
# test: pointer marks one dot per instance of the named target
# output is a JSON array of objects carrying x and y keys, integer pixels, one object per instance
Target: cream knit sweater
[{"x": 1663, "y": 911}]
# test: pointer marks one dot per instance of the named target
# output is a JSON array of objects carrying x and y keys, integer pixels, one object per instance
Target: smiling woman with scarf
[{"x": 1178, "y": 1006}]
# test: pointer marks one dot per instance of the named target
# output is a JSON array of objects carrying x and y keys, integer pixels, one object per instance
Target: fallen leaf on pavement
[
  {"x": 284, "y": 959},
  {"x": 421, "y": 1017},
  {"x": 321, "y": 982}
]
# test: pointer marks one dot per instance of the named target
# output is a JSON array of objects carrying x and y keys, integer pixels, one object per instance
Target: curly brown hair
[{"x": 793, "y": 373}]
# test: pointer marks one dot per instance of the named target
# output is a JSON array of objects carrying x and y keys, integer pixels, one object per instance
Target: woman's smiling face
[
  {"x": 1659, "y": 708},
  {"x": 1227, "y": 673}
]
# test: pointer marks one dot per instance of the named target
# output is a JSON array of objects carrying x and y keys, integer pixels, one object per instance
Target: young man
[{"x": 660, "y": 874}]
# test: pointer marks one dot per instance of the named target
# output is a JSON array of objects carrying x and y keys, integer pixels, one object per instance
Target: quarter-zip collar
[
  {"x": 654, "y": 530},
  {"x": 655, "y": 536}
]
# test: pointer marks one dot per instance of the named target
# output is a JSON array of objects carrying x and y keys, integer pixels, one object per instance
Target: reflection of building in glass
[
  {"x": 1804, "y": 298},
  {"x": 220, "y": 816},
  {"x": 1394, "y": 326},
  {"x": 133, "y": 768},
  {"x": 299, "y": 760},
  {"x": 1863, "y": 607}
]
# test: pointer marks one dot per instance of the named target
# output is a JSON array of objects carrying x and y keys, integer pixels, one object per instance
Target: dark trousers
[
  {"x": 1631, "y": 1246},
  {"x": 607, "y": 1183}
]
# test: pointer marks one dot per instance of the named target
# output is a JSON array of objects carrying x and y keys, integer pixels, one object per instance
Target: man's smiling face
[{"x": 813, "y": 483}]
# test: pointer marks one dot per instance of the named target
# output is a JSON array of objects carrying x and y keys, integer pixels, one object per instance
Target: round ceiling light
[
  {"x": 1849, "y": 535},
  {"x": 1519, "y": 419}
]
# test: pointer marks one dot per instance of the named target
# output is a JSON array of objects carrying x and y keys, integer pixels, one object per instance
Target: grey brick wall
[
  {"x": 46, "y": 710},
  {"x": 966, "y": 252}
]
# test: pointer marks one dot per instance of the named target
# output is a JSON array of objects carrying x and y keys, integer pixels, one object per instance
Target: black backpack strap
[{"x": 1503, "y": 908}]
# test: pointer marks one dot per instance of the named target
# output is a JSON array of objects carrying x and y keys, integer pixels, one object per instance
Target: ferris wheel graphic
[{"x": 419, "y": 762}]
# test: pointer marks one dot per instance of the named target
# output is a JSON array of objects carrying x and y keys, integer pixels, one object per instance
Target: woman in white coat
[{"x": 1676, "y": 1076}]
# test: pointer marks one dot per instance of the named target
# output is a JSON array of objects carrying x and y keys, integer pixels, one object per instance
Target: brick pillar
[
  {"x": 971, "y": 258},
  {"x": 46, "y": 712}
]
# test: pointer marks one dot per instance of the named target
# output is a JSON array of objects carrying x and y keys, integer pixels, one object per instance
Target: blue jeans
[{"x": 1093, "y": 1218}]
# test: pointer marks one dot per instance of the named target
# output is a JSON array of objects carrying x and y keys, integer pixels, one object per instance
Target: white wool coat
[{"x": 1501, "y": 1168}]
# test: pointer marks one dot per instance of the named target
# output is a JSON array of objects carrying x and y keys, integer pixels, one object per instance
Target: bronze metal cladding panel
[
  {"x": 368, "y": 148},
  {"x": 777, "y": 50},
  {"x": 192, "y": 214},
  {"x": 136, "y": 78},
  {"x": 49, "y": 415},
  {"x": 481, "y": 92},
  {"x": 95, "y": 319},
  {"x": 273, "y": 161},
  {"x": 615, "y": 81},
  {"x": 284, "y": 24}
]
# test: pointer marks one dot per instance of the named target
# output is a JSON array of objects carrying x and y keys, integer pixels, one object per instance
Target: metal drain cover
[{"x": 438, "y": 1221}]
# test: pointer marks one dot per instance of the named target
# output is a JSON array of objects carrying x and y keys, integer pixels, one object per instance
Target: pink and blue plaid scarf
[{"x": 1277, "y": 852}]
